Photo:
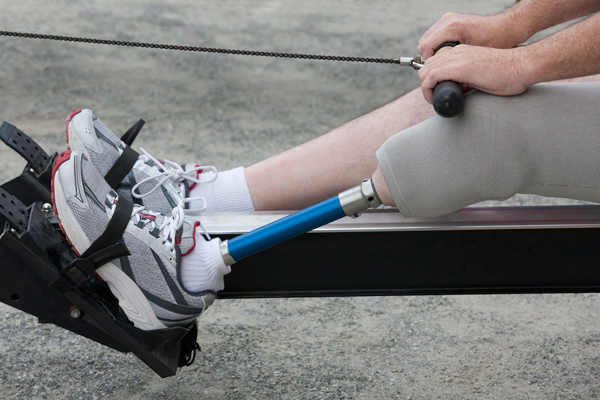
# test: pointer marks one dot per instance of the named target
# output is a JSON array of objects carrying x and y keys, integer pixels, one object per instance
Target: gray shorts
[{"x": 545, "y": 141}]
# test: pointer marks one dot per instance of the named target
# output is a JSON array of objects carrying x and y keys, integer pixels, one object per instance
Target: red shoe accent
[
  {"x": 148, "y": 216},
  {"x": 69, "y": 118},
  {"x": 198, "y": 172},
  {"x": 196, "y": 225},
  {"x": 62, "y": 157}
]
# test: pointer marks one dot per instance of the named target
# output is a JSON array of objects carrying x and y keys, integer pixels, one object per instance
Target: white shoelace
[
  {"x": 168, "y": 229},
  {"x": 173, "y": 171}
]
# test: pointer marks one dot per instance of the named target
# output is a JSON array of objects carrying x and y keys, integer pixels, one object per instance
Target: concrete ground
[{"x": 230, "y": 111}]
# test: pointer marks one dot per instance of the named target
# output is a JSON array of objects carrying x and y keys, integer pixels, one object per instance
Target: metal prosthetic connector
[{"x": 354, "y": 201}]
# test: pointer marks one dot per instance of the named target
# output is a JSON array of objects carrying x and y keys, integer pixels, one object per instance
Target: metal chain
[{"x": 200, "y": 49}]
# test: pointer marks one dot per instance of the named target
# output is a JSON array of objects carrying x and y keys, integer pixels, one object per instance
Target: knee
[
  {"x": 442, "y": 165},
  {"x": 496, "y": 145}
]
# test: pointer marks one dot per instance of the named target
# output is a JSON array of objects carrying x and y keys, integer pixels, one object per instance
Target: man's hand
[
  {"x": 495, "y": 71},
  {"x": 469, "y": 29},
  {"x": 489, "y": 60}
]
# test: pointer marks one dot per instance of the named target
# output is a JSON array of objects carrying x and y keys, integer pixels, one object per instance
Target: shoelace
[
  {"x": 173, "y": 171},
  {"x": 168, "y": 229}
]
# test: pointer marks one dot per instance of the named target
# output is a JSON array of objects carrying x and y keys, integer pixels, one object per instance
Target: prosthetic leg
[{"x": 350, "y": 203}]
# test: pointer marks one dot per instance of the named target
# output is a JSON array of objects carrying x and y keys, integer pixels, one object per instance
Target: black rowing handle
[{"x": 448, "y": 96}]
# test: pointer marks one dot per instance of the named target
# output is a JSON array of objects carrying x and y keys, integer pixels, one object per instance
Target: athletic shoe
[
  {"x": 159, "y": 186},
  {"x": 146, "y": 283}
]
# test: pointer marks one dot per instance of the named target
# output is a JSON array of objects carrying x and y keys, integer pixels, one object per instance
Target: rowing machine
[{"x": 472, "y": 251}]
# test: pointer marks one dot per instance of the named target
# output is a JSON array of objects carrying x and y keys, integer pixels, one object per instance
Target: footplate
[
  {"x": 13, "y": 212},
  {"x": 34, "y": 182},
  {"x": 36, "y": 261},
  {"x": 16, "y": 139}
]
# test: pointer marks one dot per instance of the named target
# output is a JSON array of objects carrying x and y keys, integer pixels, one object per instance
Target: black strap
[
  {"x": 114, "y": 230},
  {"x": 107, "y": 247},
  {"x": 121, "y": 168},
  {"x": 81, "y": 269},
  {"x": 129, "y": 136},
  {"x": 109, "y": 253}
]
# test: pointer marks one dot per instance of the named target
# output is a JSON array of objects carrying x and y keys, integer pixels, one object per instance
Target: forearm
[
  {"x": 570, "y": 53},
  {"x": 507, "y": 29},
  {"x": 528, "y": 17}
]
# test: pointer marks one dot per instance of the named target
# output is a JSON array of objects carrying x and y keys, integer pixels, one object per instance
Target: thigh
[{"x": 544, "y": 141}]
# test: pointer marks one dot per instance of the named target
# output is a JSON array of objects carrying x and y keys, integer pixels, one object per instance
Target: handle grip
[{"x": 448, "y": 96}]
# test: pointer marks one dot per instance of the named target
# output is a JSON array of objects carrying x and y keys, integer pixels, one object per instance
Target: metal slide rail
[{"x": 472, "y": 251}]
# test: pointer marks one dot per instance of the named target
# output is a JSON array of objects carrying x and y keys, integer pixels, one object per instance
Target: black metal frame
[
  {"x": 422, "y": 263},
  {"x": 551, "y": 255}
]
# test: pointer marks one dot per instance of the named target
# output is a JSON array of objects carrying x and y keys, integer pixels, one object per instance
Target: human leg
[
  {"x": 545, "y": 141},
  {"x": 334, "y": 162},
  {"x": 340, "y": 159}
]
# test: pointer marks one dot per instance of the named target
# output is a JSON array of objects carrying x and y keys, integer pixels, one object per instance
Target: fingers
[
  {"x": 438, "y": 68},
  {"x": 428, "y": 83},
  {"x": 447, "y": 29},
  {"x": 450, "y": 65},
  {"x": 422, "y": 76},
  {"x": 486, "y": 69}
]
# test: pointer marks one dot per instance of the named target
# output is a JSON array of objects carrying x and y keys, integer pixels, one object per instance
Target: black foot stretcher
[{"x": 473, "y": 251}]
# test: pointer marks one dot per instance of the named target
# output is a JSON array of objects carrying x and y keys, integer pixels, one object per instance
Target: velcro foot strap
[
  {"x": 127, "y": 159},
  {"x": 129, "y": 136},
  {"x": 121, "y": 167},
  {"x": 107, "y": 247}
]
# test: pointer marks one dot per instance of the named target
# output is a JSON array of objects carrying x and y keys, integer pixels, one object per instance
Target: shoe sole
[{"x": 131, "y": 299}]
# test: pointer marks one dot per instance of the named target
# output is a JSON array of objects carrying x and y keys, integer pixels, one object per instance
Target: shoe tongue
[
  {"x": 186, "y": 185},
  {"x": 191, "y": 166},
  {"x": 157, "y": 218}
]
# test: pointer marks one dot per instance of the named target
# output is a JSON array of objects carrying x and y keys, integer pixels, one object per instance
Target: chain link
[{"x": 199, "y": 49}]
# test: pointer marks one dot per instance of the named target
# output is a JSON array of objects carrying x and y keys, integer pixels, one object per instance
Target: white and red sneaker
[
  {"x": 147, "y": 283},
  {"x": 158, "y": 185}
]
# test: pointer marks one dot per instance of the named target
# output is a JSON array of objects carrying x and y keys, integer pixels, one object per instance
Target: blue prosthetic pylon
[{"x": 350, "y": 203}]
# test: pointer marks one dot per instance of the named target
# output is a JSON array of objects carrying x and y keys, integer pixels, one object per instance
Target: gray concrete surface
[{"x": 229, "y": 111}]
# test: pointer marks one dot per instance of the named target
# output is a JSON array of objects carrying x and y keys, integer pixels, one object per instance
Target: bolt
[
  {"x": 75, "y": 313},
  {"x": 47, "y": 209},
  {"x": 14, "y": 231},
  {"x": 31, "y": 171}
]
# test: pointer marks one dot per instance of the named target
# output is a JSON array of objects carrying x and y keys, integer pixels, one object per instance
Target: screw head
[
  {"x": 75, "y": 313},
  {"x": 47, "y": 209}
]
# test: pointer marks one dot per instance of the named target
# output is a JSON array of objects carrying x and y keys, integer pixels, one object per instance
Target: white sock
[
  {"x": 228, "y": 193},
  {"x": 203, "y": 268}
]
